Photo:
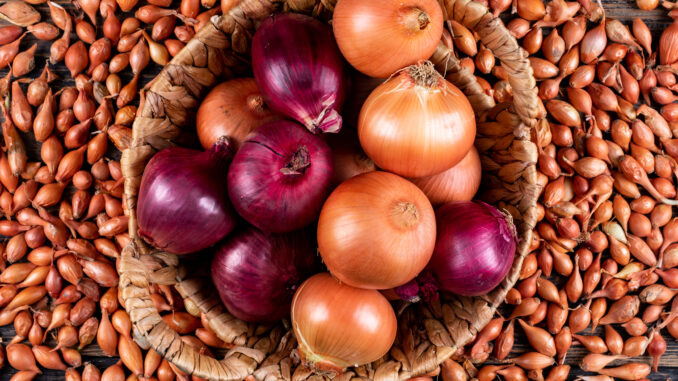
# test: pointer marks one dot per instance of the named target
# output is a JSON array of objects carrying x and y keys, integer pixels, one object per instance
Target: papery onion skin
[
  {"x": 416, "y": 124},
  {"x": 265, "y": 189},
  {"x": 183, "y": 205},
  {"x": 322, "y": 310},
  {"x": 379, "y": 37},
  {"x": 459, "y": 183},
  {"x": 475, "y": 247},
  {"x": 376, "y": 231},
  {"x": 257, "y": 273},
  {"x": 300, "y": 71},
  {"x": 233, "y": 108}
]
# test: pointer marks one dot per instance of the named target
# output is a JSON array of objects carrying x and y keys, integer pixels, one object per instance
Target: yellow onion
[{"x": 322, "y": 309}]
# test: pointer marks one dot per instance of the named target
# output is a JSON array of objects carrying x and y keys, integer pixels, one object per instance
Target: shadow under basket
[{"x": 428, "y": 333}]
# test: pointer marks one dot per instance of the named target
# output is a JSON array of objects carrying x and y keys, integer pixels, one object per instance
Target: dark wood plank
[{"x": 626, "y": 10}]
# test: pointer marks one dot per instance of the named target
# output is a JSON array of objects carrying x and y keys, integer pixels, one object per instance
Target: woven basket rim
[{"x": 155, "y": 127}]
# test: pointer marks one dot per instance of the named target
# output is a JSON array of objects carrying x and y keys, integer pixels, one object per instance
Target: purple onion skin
[
  {"x": 269, "y": 194},
  {"x": 300, "y": 70},
  {"x": 257, "y": 273},
  {"x": 183, "y": 204},
  {"x": 474, "y": 249}
]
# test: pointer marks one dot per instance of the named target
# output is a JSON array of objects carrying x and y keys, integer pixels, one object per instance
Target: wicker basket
[{"x": 427, "y": 333}]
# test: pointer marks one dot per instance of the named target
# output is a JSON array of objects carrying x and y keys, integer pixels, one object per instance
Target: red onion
[
  {"x": 300, "y": 70},
  {"x": 280, "y": 177},
  {"x": 257, "y": 273},
  {"x": 183, "y": 205},
  {"x": 474, "y": 249}
]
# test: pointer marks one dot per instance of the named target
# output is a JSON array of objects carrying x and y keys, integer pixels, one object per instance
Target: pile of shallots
[
  {"x": 602, "y": 271},
  {"x": 62, "y": 210}
]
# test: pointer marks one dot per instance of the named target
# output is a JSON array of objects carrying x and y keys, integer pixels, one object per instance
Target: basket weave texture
[{"x": 428, "y": 333}]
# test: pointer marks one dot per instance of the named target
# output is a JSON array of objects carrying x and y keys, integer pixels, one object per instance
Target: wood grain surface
[{"x": 624, "y": 10}]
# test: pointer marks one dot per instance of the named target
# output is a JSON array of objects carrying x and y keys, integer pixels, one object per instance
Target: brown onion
[
  {"x": 84, "y": 107},
  {"x": 76, "y": 58},
  {"x": 91, "y": 373},
  {"x": 593, "y": 43},
  {"x": 44, "y": 31},
  {"x": 131, "y": 356},
  {"x": 539, "y": 338},
  {"x": 47, "y": 358},
  {"x": 533, "y": 361},
  {"x": 114, "y": 372},
  {"x": 20, "y": 357},
  {"x": 573, "y": 31},
  {"x": 631, "y": 371}
]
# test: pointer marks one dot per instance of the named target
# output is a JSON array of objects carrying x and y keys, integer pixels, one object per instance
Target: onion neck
[
  {"x": 43, "y": 75},
  {"x": 298, "y": 163},
  {"x": 255, "y": 103},
  {"x": 221, "y": 150},
  {"x": 404, "y": 214},
  {"x": 424, "y": 75},
  {"x": 423, "y": 287},
  {"x": 408, "y": 291},
  {"x": 415, "y": 19},
  {"x": 507, "y": 230}
]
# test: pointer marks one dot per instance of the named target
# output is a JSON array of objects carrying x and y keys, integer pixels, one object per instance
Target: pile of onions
[
  {"x": 416, "y": 124},
  {"x": 379, "y": 37},
  {"x": 300, "y": 71},
  {"x": 348, "y": 157},
  {"x": 459, "y": 183},
  {"x": 257, "y": 273},
  {"x": 233, "y": 108},
  {"x": 338, "y": 326},
  {"x": 183, "y": 205},
  {"x": 475, "y": 247},
  {"x": 376, "y": 231},
  {"x": 280, "y": 177}
]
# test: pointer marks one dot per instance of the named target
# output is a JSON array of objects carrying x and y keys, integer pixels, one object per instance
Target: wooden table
[{"x": 624, "y": 10}]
